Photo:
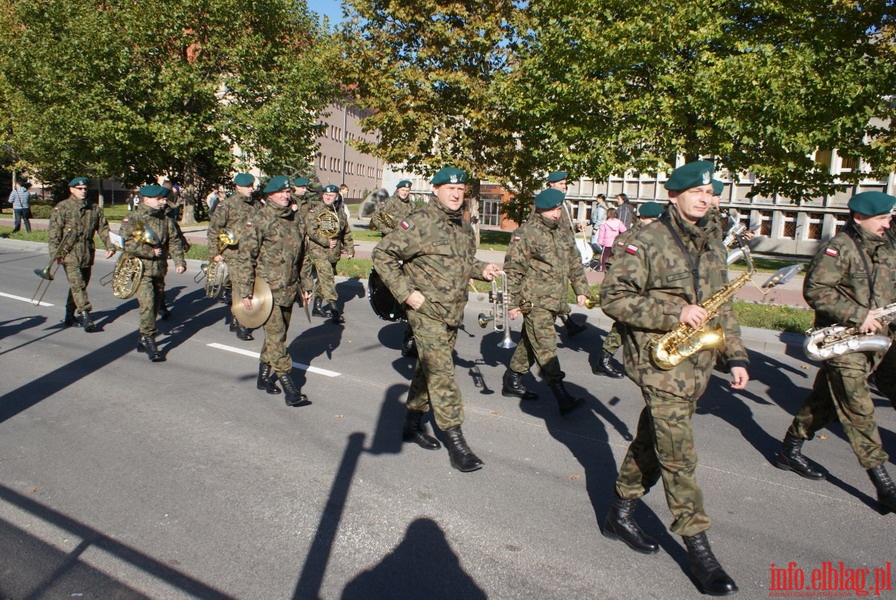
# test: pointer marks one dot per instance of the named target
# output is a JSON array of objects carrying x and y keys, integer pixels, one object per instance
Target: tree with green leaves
[{"x": 138, "y": 90}]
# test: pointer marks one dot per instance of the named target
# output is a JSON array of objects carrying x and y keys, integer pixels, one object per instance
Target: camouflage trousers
[
  {"x": 613, "y": 340},
  {"x": 150, "y": 294},
  {"x": 538, "y": 344},
  {"x": 840, "y": 392},
  {"x": 325, "y": 288},
  {"x": 78, "y": 279},
  {"x": 433, "y": 385},
  {"x": 664, "y": 447},
  {"x": 273, "y": 351}
]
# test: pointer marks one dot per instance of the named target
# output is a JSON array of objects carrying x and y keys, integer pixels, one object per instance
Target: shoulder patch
[
  {"x": 405, "y": 225},
  {"x": 249, "y": 224},
  {"x": 124, "y": 220},
  {"x": 56, "y": 207},
  {"x": 631, "y": 249},
  {"x": 831, "y": 251},
  {"x": 516, "y": 238}
]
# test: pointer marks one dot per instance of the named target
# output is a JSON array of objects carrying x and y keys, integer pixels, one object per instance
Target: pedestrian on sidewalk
[{"x": 20, "y": 199}]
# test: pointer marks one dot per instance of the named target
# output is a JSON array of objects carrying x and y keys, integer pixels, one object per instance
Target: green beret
[
  {"x": 403, "y": 183},
  {"x": 717, "y": 187},
  {"x": 77, "y": 181},
  {"x": 332, "y": 189},
  {"x": 557, "y": 176},
  {"x": 548, "y": 199},
  {"x": 244, "y": 179},
  {"x": 871, "y": 204},
  {"x": 154, "y": 191},
  {"x": 650, "y": 210},
  {"x": 277, "y": 184},
  {"x": 301, "y": 182},
  {"x": 449, "y": 175},
  {"x": 690, "y": 176}
]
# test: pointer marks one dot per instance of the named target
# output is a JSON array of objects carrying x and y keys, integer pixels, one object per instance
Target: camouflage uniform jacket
[
  {"x": 650, "y": 282},
  {"x": 83, "y": 218},
  {"x": 273, "y": 248},
  {"x": 319, "y": 244},
  {"x": 540, "y": 263},
  {"x": 396, "y": 208},
  {"x": 232, "y": 212},
  {"x": 165, "y": 228},
  {"x": 838, "y": 285},
  {"x": 438, "y": 249}
]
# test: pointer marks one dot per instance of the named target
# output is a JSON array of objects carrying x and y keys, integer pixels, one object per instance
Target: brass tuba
[
  {"x": 673, "y": 348},
  {"x": 328, "y": 223},
  {"x": 837, "y": 340},
  {"x": 129, "y": 269}
]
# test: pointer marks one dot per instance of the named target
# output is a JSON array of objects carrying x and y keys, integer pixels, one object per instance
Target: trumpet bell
[
  {"x": 484, "y": 320},
  {"x": 592, "y": 303}
]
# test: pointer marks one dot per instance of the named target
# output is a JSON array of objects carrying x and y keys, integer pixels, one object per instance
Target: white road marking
[
  {"x": 255, "y": 355},
  {"x": 24, "y": 299}
]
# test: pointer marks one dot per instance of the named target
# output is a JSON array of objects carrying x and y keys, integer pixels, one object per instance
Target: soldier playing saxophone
[
  {"x": 849, "y": 281},
  {"x": 657, "y": 282}
]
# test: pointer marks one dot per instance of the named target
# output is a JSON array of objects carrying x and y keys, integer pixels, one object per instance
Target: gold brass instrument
[
  {"x": 592, "y": 303},
  {"x": 216, "y": 273},
  {"x": 49, "y": 273},
  {"x": 328, "y": 224},
  {"x": 498, "y": 316},
  {"x": 836, "y": 340},
  {"x": 673, "y": 348},
  {"x": 128, "y": 270}
]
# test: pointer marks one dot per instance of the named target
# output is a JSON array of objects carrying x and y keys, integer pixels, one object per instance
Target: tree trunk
[
  {"x": 474, "y": 208},
  {"x": 188, "y": 198},
  {"x": 101, "y": 199}
]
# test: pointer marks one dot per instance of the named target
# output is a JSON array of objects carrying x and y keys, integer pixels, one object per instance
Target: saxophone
[
  {"x": 670, "y": 350},
  {"x": 129, "y": 269},
  {"x": 836, "y": 340}
]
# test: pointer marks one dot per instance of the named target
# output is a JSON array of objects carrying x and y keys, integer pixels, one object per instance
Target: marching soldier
[
  {"x": 273, "y": 249},
  {"x": 152, "y": 214},
  {"x": 658, "y": 283},
  {"x": 300, "y": 196},
  {"x": 426, "y": 263},
  {"x": 540, "y": 264},
  {"x": 72, "y": 225},
  {"x": 557, "y": 180},
  {"x": 849, "y": 281},
  {"x": 329, "y": 235},
  {"x": 232, "y": 213},
  {"x": 647, "y": 214},
  {"x": 393, "y": 211}
]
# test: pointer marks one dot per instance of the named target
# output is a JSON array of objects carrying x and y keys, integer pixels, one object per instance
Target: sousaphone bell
[{"x": 262, "y": 306}]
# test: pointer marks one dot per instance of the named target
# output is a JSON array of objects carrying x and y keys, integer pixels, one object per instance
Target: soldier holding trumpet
[
  {"x": 541, "y": 261},
  {"x": 79, "y": 219}
]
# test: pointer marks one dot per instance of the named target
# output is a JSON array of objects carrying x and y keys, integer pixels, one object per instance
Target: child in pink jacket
[{"x": 606, "y": 235}]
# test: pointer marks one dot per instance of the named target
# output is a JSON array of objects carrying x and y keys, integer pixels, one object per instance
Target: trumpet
[
  {"x": 498, "y": 316},
  {"x": 48, "y": 274},
  {"x": 592, "y": 303}
]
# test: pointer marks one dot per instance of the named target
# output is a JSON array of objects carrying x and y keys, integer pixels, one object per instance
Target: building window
[
  {"x": 491, "y": 212},
  {"x": 813, "y": 226},
  {"x": 765, "y": 223},
  {"x": 788, "y": 225}
]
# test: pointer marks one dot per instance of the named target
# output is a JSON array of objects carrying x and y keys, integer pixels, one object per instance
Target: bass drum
[{"x": 382, "y": 301}]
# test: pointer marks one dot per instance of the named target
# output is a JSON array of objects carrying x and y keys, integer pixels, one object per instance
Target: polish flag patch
[
  {"x": 249, "y": 224},
  {"x": 405, "y": 225},
  {"x": 831, "y": 252},
  {"x": 631, "y": 249},
  {"x": 516, "y": 238}
]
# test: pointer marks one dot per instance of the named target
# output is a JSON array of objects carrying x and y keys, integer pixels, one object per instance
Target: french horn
[
  {"x": 328, "y": 224},
  {"x": 128, "y": 271}
]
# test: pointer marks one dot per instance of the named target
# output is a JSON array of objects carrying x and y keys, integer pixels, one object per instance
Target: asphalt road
[{"x": 120, "y": 478}]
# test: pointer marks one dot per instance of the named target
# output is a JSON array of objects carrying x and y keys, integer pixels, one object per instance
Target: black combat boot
[
  {"x": 790, "y": 458},
  {"x": 462, "y": 458},
  {"x": 414, "y": 431},
  {"x": 164, "y": 313},
  {"x": 86, "y": 322},
  {"x": 69, "y": 319},
  {"x": 265, "y": 381},
  {"x": 336, "y": 315},
  {"x": 408, "y": 345},
  {"x": 292, "y": 396},
  {"x": 572, "y": 328},
  {"x": 513, "y": 386},
  {"x": 315, "y": 307},
  {"x": 886, "y": 489},
  {"x": 705, "y": 566},
  {"x": 226, "y": 296},
  {"x": 565, "y": 401},
  {"x": 242, "y": 332},
  {"x": 147, "y": 344},
  {"x": 606, "y": 367},
  {"x": 620, "y": 525}
]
